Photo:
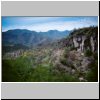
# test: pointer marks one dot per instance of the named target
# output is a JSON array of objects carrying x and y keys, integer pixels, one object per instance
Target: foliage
[
  {"x": 63, "y": 61},
  {"x": 92, "y": 75},
  {"x": 88, "y": 53},
  {"x": 86, "y": 31},
  {"x": 73, "y": 48},
  {"x": 37, "y": 65},
  {"x": 22, "y": 70}
]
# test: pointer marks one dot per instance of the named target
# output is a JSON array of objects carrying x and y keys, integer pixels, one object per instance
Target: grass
[
  {"x": 22, "y": 70},
  {"x": 15, "y": 70}
]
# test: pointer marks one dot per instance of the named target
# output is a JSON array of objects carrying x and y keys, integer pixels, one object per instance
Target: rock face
[
  {"x": 84, "y": 39},
  {"x": 13, "y": 55},
  {"x": 81, "y": 49},
  {"x": 79, "y": 43}
]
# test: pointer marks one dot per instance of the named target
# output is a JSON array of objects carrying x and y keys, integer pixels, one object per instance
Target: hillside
[
  {"x": 80, "y": 56},
  {"x": 70, "y": 59},
  {"x": 31, "y": 38}
]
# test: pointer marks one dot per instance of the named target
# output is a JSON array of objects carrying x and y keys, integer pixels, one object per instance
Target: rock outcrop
[
  {"x": 81, "y": 49},
  {"x": 84, "y": 39},
  {"x": 13, "y": 55}
]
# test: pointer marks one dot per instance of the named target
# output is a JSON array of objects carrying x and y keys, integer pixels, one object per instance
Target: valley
[{"x": 72, "y": 57}]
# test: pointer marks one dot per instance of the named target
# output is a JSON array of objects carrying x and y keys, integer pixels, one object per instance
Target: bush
[
  {"x": 66, "y": 63},
  {"x": 63, "y": 61},
  {"x": 15, "y": 70},
  {"x": 88, "y": 53},
  {"x": 73, "y": 48},
  {"x": 95, "y": 55},
  {"x": 21, "y": 70},
  {"x": 92, "y": 75}
]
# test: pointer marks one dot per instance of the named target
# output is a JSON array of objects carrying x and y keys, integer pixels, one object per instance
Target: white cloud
[
  {"x": 47, "y": 23},
  {"x": 61, "y": 25}
]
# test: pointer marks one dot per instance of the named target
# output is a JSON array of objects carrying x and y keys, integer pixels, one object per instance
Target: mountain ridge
[{"x": 27, "y": 37}]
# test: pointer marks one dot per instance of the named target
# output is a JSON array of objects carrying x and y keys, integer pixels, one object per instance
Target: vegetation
[
  {"x": 11, "y": 48},
  {"x": 52, "y": 62},
  {"x": 88, "y": 53},
  {"x": 22, "y": 70},
  {"x": 92, "y": 75}
]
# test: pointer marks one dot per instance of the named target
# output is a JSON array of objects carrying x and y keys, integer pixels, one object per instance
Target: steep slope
[
  {"x": 80, "y": 54},
  {"x": 84, "y": 39}
]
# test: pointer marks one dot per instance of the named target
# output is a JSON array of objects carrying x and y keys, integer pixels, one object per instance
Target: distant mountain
[
  {"x": 31, "y": 38},
  {"x": 55, "y": 34},
  {"x": 18, "y": 36}
]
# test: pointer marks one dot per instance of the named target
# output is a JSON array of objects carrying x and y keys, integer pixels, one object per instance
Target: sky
[{"x": 44, "y": 24}]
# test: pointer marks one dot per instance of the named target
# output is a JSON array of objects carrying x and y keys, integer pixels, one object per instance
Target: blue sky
[{"x": 47, "y": 23}]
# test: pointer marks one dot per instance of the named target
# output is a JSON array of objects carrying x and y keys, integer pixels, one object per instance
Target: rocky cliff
[
  {"x": 83, "y": 39},
  {"x": 80, "y": 54}
]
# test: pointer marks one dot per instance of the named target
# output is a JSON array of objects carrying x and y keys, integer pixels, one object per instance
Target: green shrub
[
  {"x": 63, "y": 61},
  {"x": 73, "y": 48},
  {"x": 15, "y": 70},
  {"x": 66, "y": 63},
  {"x": 95, "y": 55},
  {"x": 21, "y": 70},
  {"x": 88, "y": 53},
  {"x": 92, "y": 75}
]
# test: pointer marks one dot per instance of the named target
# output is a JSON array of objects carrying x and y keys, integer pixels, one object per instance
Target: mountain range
[
  {"x": 70, "y": 59},
  {"x": 31, "y": 38}
]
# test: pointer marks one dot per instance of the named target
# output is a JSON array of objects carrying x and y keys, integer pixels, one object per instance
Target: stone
[
  {"x": 81, "y": 79},
  {"x": 73, "y": 71}
]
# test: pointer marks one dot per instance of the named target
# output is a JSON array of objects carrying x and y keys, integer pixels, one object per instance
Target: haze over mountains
[{"x": 31, "y": 38}]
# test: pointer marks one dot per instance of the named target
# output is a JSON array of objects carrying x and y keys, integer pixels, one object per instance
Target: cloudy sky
[{"x": 47, "y": 23}]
